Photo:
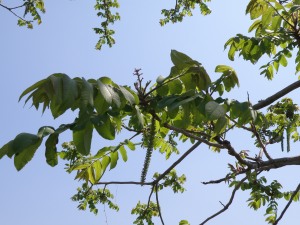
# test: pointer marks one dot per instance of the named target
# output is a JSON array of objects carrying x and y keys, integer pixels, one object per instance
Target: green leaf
[
  {"x": 254, "y": 26},
  {"x": 104, "y": 126},
  {"x": 51, "y": 150},
  {"x": 176, "y": 104},
  {"x": 282, "y": 60},
  {"x": 91, "y": 175},
  {"x": 123, "y": 153},
  {"x": 163, "y": 90},
  {"x": 184, "y": 222},
  {"x": 57, "y": 98},
  {"x": 140, "y": 116},
  {"x": 128, "y": 96},
  {"x": 175, "y": 87},
  {"x": 83, "y": 138},
  {"x": 107, "y": 91},
  {"x": 102, "y": 152},
  {"x": 105, "y": 162},
  {"x": 180, "y": 60},
  {"x": 129, "y": 144},
  {"x": 23, "y": 157},
  {"x": 267, "y": 16},
  {"x": 97, "y": 170},
  {"x": 220, "y": 126},
  {"x": 7, "y": 150},
  {"x": 81, "y": 166},
  {"x": 70, "y": 92},
  {"x": 100, "y": 104},
  {"x": 114, "y": 156},
  {"x": 87, "y": 93},
  {"x": 214, "y": 111},
  {"x": 23, "y": 141},
  {"x": 32, "y": 87}
]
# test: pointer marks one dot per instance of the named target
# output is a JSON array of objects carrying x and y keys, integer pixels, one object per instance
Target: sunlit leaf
[
  {"x": 214, "y": 110},
  {"x": 114, "y": 156}
]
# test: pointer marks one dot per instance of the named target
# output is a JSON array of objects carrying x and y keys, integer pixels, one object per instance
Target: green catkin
[
  {"x": 282, "y": 144},
  {"x": 149, "y": 151},
  {"x": 288, "y": 135}
]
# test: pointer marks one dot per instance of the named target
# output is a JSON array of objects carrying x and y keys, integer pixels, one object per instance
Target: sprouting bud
[{"x": 160, "y": 79}]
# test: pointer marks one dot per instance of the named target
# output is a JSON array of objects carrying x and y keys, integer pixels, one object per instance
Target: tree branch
[
  {"x": 228, "y": 204},
  {"x": 190, "y": 135},
  {"x": 263, "y": 103},
  {"x": 224, "y": 179},
  {"x": 158, "y": 206},
  {"x": 11, "y": 11},
  {"x": 277, "y": 163},
  {"x": 260, "y": 141},
  {"x": 161, "y": 176},
  {"x": 288, "y": 205}
]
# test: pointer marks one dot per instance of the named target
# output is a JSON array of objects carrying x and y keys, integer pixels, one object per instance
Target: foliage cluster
[{"x": 184, "y": 106}]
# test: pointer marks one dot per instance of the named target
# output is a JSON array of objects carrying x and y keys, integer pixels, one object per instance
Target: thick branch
[
  {"x": 263, "y": 103},
  {"x": 277, "y": 163}
]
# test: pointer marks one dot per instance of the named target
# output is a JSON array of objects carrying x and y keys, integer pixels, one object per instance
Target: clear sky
[{"x": 65, "y": 42}]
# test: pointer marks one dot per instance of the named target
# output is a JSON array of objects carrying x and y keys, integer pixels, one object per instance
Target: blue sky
[{"x": 64, "y": 42}]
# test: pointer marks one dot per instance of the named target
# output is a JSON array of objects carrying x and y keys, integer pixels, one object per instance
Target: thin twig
[
  {"x": 11, "y": 11},
  {"x": 287, "y": 205},
  {"x": 228, "y": 204},
  {"x": 279, "y": 13},
  {"x": 224, "y": 179},
  {"x": 125, "y": 182},
  {"x": 161, "y": 176},
  {"x": 149, "y": 199},
  {"x": 236, "y": 124},
  {"x": 260, "y": 141},
  {"x": 158, "y": 206}
]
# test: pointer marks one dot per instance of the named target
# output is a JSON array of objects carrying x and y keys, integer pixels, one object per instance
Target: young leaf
[
  {"x": 105, "y": 162},
  {"x": 184, "y": 222},
  {"x": 114, "y": 156},
  {"x": 129, "y": 144},
  {"x": 97, "y": 170},
  {"x": 123, "y": 153}
]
